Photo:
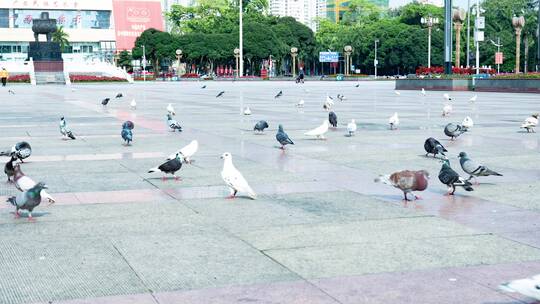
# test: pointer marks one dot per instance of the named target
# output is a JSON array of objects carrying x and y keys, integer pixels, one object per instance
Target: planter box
[
  {"x": 508, "y": 85},
  {"x": 434, "y": 84}
]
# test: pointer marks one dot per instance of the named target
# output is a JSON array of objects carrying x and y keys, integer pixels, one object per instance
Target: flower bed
[
  {"x": 190, "y": 75},
  {"x": 438, "y": 70},
  {"x": 94, "y": 78},
  {"x": 20, "y": 78}
]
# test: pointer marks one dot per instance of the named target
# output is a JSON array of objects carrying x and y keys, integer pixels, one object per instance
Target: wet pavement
[{"x": 321, "y": 231}]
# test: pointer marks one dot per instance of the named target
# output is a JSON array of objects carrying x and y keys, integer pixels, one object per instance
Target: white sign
[
  {"x": 480, "y": 23},
  {"x": 375, "y": 62},
  {"x": 478, "y": 36},
  {"x": 328, "y": 57}
]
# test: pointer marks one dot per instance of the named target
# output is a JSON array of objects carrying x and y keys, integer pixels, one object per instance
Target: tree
[
  {"x": 61, "y": 37},
  {"x": 124, "y": 60},
  {"x": 158, "y": 46}
]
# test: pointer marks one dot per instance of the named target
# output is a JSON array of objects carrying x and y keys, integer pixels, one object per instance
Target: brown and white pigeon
[{"x": 407, "y": 181}]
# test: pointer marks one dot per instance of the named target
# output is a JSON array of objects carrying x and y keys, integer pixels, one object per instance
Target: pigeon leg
[
  {"x": 417, "y": 197},
  {"x": 177, "y": 178},
  {"x": 30, "y": 218},
  {"x": 164, "y": 178},
  {"x": 405, "y": 195},
  {"x": 453, "y": 190},
  {"x": 17, "y": 215},
  {"x": 233, "y": 194}
]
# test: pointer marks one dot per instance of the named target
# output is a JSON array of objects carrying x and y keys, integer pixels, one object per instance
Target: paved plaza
[{"x": 321, "y": 231}]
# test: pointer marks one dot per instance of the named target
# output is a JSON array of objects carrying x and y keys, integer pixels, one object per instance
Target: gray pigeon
[
  {"x": 433, "y": 146},
  {"x": 332, "y": 118},
  {"x": 119, "y": 95},
  {"x": 169, "y": 167},
  {"x": 451, "y": 178},
  {"x": 64, "y": 130},
  {"x": 173, "y": 124},
  {"x": 260, "y": 126},
  {"x": 28, "y": 200},
  {"x": 220, "y": 94},
  {"x": 473, "y": 168},
  {"x": 454, "y": 130},
  {"x": 9, "y": 169},
  {"x": 283, "y": 138},
  {"x": 105, "y": 101},
  {"x": 20, "y": 150},
  {"x": 278, "y": 95}
]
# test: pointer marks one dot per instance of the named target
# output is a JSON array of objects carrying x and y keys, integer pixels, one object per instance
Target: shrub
[
  {"x": 94, "y": 78},
  {"x": 21, "y": 78}
]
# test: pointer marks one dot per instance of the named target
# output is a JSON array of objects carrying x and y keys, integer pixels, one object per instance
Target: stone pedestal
[
  {"x": 45, "y": 51},
  {"x": 48, "y": 62}
]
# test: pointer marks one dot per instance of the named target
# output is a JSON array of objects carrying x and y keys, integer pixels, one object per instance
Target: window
[
  {"x": 4, "y": 18},
  {"x": 67, "y": 18},
  {"x": 5, "y": 49}
]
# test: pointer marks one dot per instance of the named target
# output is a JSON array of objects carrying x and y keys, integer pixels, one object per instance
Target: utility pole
[
  {"x": 375, "y": 62},
  {"x": 448, "y": 36},
  {"x": 241, "y": 69},
  {"x": 144, "y": 62},
  {"x": 498, "y": 45},
  {"x": 468, "y": 32}
]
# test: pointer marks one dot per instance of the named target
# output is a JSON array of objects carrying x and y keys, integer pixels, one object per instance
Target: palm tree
[{"x": 61, "y": 38}]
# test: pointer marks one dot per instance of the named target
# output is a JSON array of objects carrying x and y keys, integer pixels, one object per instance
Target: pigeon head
[
  {"x": 535, "y": 115},
  {"x": 462, "y": 154},
  {"x": 226, "y": 156},
  {"x": 353, "y": 121},
  {"x": 280, "y": 128},
  {"x": 41, "y": 185},
  {"x": 62, "y": 118}
]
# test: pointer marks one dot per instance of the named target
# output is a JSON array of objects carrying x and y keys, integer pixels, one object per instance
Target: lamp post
[
  {"x": 458, "y": 16},
  {"x": 241, "y": 44},
  {"x": 498, "y": 45},
  {"x": 448, "y": 36},
  {"x": 144, "y": 62},
  {"x": 375, "y": 61},
  {"x": 348, "y": 61},
  {"x": 468, "y": 32},
  {"x": 518, "y": 23},
  {"x": 179, "y": 55},
  {"x": 237, "y": 57},
  {"x": 294, "y": 53},
  {"x": 429, "y": 22}
]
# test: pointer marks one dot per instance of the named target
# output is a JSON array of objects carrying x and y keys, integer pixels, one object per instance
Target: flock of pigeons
[{"x": 408, "y": 181}]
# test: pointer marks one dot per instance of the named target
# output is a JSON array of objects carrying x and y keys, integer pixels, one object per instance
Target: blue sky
[{"x": 461, "y": 3}]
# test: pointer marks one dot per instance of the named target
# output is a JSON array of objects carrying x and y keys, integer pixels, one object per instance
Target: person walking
[{"x": 4, "y": 76}]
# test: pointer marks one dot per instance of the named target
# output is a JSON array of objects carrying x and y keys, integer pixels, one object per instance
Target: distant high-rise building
[
  {"x": 304, "y": 11},
  {"x": 335, "y": 9}
]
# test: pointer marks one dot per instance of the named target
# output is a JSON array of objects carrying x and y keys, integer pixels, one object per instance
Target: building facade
[
  {"x": 97, "y": 29},
  {"x": 304, "y": 11}
]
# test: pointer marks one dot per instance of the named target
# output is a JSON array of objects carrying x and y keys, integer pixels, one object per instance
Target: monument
[{"x": 46, "y": 55}]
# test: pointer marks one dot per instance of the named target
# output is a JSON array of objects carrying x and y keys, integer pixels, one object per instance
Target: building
[
  {"x": 335, "y": 9},
  {"x": 97, "y": 29},
  {"x": 304, "y": 11}
]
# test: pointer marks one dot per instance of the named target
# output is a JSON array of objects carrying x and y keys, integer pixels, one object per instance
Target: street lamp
[
  {"x": 179, "y": 55},
  {"x": 294, "y": 53},
  {"x": 429, "y": 22},
  {"x": 448, "y": 37},
  {"x": 241, "y": 42},
  {"x": 498, "y": 45},
  {"x": 375, "y": 61},
  {"x": 458, "y": 16},
  {"x": 348, "y": 60},
  {"x": 237, "y": 57},
  {"x": 518, "y": 23},
  {"x": 144, "y": 62}
]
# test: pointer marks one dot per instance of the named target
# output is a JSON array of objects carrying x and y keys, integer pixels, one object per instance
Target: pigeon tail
[
  {"x": 152, "y": 170},
  {"x": 12, "y": 200},
  {"x": 384, "y": 179},
  {"x": 252, "y": 194},
  {"x": 491, "y": 172},
  {"x": 70, "y": 135}
]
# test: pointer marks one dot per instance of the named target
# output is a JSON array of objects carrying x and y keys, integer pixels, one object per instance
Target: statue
[{"x": 44, "y": 25}]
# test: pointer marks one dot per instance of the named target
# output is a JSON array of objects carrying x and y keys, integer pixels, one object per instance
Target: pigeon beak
[{"x": 45, "y": 187}]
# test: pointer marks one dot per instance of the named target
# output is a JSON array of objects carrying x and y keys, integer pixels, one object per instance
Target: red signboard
[
  {"x": 498, "y": 58},
  {"x": 132, "y": 17}
]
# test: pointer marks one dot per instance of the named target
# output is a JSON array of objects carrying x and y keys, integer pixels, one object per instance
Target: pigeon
[
  {"x": 173, "y": 124},
  {"x": 467, "y": 123},
  {"x": 203, "y": 87},
  {"x": 529, "y": 287},
  {"x": 133, "y": 104},
  {"x": 341, "y": 97},
  {"x": 423, "y": 92},
  {"x": 447, "y": 97},
  {"x": 300, "y": 104},
  {"x": 234, "y": 179},
  {"x": 20, "y": 150},
  {"x": 170, "y": 109},
  {"x": 11, "y": 92},
  {"x": 9, "y": 169},
  {"x": 24, "y": 183},
  {"x": 27, "y": 200},
  {"x": 186, "y": 152},
  {"x": 322, "y": 77},
  {"x": 260, "y": 126},
  {"x": 407, "y": 181},
  {"x": 394, "y": 121},
  {"x": 530, "y": 123},
  {"x": 473, "y": 168},
  {"x": 447, "y": 110},
  {"x": 332, "y": 119},
  {"x": 247, "y": 111},
  {"x": 328, "y": 103},
  {"x": 351, "y": 127},
  {"x": 283, "y": 138},
  {"x": 473, "y": 99},
  {"x": 433, "y": 146},
  {"x": 169, "y": 167},
  {"x": 357, "y": 85},
  {"x": 119, "y": 95},
  {"x": 105, "y": 101},
  {"x": 397, "y": 93},
  {"x": 127, "y": 133},
  {"x": 64, "y": 129},
  {"x": 451, "y": 178},
  {"x": 319, "y": 131},
  {"x": 454, "y": 130},
  {"x": 279, "y": 94},
  {"x": 220, "y": 94}
]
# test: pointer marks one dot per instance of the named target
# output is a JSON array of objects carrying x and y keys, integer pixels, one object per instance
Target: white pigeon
[
  {"x": 186, "y": 152},
  {"x": 530, "y": 123},
  {"x": 447, "y": 109},
  {"x": 319, "y": 131},
  {"x": 529, "y": 287},
  {"x": 423, "y": 92},
  {"x": 24, "y": 183},
  {"x": 328, "y": 103},
  {"x": 247, "y": 111},
  {"x": 394, "y": 121},
  {"x": 473, "y": 99},
  {"x": 351, "y": 127},
  {"x": 234, "y": 179},
  {"x": 170, "y": 109},
  {"x": 447, "y": 97},
  {"x": 397, "y": 93},
  {"x": 467, "y": 122},
  {"x": 300, "y": 104},
  {"x": 133, "y": 104}
]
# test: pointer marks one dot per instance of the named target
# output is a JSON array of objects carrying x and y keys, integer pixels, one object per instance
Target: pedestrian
[{"x": 4, "y": 76}]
